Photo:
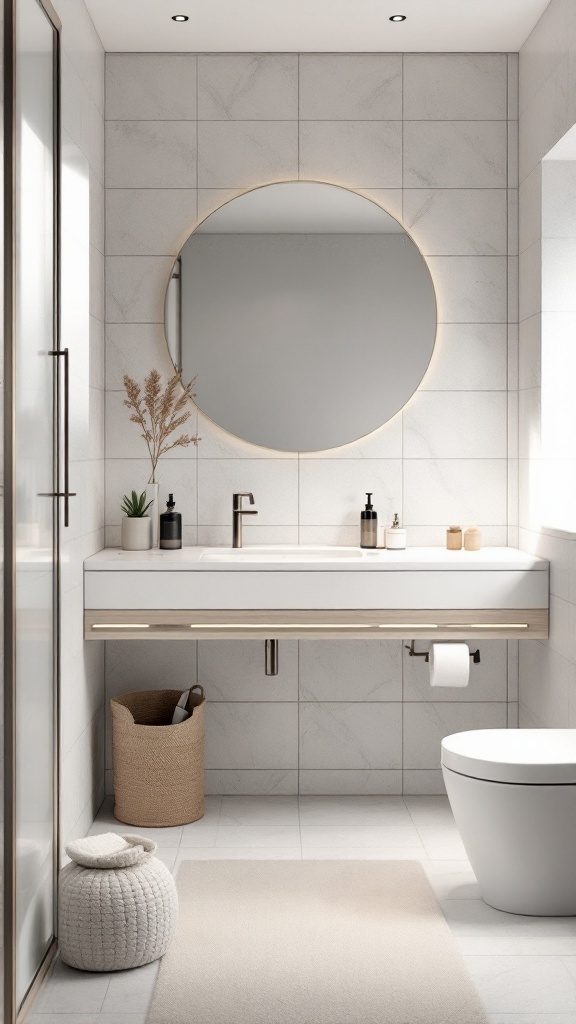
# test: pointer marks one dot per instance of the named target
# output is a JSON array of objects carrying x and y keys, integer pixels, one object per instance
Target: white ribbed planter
[
  {"x": 136, "y": 533},
  {"x": 118, "y": 904}
]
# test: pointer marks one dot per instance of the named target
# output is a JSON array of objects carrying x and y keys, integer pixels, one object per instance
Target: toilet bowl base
[{"x": 521, "y": 842}]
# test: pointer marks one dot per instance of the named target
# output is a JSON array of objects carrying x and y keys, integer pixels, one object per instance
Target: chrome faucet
[{"x": 237, "y": 513}]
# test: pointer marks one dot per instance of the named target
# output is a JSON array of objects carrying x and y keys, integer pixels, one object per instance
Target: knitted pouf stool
[{"x": 118, "y": 904}]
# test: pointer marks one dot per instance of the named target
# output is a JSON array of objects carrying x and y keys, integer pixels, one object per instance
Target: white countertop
[{"x": 310, "y": 559}]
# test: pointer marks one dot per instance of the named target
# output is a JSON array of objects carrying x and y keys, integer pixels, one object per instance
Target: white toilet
[{"x": 513, "y": 795}]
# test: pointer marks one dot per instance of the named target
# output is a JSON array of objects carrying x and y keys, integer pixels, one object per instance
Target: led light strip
[
  {"x": 313, "y": 625},
  {"x": 280, "y": 625},
  {"x": 487, "y": 625},
  {"x": 121, "y": 625}
]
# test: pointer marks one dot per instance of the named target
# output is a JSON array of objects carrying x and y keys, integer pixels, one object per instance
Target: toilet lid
[{"x": 536, "y": 756}]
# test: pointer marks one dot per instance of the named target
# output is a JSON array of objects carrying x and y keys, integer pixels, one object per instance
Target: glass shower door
[{"x": 35, "y": 481}]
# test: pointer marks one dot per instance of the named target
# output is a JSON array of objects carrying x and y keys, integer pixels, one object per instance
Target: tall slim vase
[{"x": 152, "y": 492}]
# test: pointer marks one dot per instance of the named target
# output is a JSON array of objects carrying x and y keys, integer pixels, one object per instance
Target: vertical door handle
[{"x": 66, "y": 493}]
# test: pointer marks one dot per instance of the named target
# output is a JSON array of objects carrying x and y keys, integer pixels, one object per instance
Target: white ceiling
[{"x": 314, "y": 25}]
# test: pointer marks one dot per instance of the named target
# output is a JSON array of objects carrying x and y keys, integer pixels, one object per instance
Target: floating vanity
[{"x": 298, "y": 592}]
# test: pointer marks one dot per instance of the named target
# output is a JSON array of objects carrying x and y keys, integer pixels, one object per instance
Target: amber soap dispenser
[{"x": 369, "y": 524}]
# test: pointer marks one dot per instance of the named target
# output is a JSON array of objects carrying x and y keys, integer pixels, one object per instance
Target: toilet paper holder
[{"x": 475, "y": 655}]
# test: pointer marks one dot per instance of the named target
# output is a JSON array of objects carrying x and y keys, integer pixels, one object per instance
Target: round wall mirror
[{"x": 305, "y": 311}]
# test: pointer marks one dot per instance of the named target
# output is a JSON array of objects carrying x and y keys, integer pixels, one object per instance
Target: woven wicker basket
[{"x": 158, "y": 767}]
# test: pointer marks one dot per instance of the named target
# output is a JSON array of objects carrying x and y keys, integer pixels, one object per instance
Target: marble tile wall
[
  {"x": 433, "y": 139},
  {"x": 82, "y": 672},
  {"x": 547, "y": 111},
  {"x": 547, "y": 77}
]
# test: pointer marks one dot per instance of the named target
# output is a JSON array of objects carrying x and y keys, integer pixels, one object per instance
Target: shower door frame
[{"x": 12, "y": 1011}]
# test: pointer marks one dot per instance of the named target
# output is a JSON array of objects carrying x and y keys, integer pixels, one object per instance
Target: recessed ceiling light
[
  {"x": 179, "y": 17},
  {"x": 397, "y": 17}
]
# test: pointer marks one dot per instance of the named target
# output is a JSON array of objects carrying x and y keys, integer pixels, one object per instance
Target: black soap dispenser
[
  {"x": 369, "y": 525},
  {"x": 170, "y": 526}
]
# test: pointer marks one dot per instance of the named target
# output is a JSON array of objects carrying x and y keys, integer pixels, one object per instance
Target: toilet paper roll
[{"x": 449, "y": 665}]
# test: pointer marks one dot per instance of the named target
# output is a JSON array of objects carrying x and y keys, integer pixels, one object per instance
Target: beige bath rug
[{"x": 311, "y": 942}]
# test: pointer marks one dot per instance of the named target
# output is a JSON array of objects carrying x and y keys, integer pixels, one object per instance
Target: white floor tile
[
  {"x": 258, "y": 835},
  {"x": 352, "y": 810},
  {"x": 131, "y": 989},
  {"x": 442, "y": 843},
  {"x": 430, "y": 810},
  {"x": 516, "y": 945},
  {"x": 238, "y": 853},
  {"x": 452, "y": 879},
  {"x": 531, "y": 984},
  {"x": 362, "y": 852},
  {"x": 360, "y": 835},
  {"x": 531, "y": 1018},
  {"x": 69, "y": 991},
  {"x": 192, "y": 836},
  {"x": 259, "y": 810}
]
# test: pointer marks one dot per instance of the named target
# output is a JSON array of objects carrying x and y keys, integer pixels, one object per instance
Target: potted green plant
[{"x": 136, "y": 525}]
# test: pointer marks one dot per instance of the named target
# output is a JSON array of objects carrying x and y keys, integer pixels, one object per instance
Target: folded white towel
[{"x": 110, "y": 850}]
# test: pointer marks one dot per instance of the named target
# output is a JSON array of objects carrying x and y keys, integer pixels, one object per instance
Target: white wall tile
[
  {"x": 462, "y": 221},
  {"x": 248, "y": 86},
  {"x": 124, "y": 439},
  {"x": 468, "y": 357},
  {"x": 149, "y": 222},
  {"x": 151, "y": 154},
  {"x": 350, "y": 670},
  {"x": 427, "y": 781},
  {"x": 221, "y": 536},
  {"x": 557, "y": 270},
  {"x": 530, "y": 208},
  {"x": 151, "y": 87},
  {"x": 513, "y": 170},
  {"x": 135, "y": 349},
  {"x": 443, "y": 491},
  {"x": 530, "y": 284},
  {"x": 273, "y": 482},
  {"x": 332, "y": 491},
  {"x": 246, "y": 153},
  {"x": 358, "y": 153},
  {"x": 350, "y": 735},
  {"x": 547, "y": 680},
  {"x": 251, "y": 782},
  {"x": 455, "y": 154},
  {"x": 529, "y": 354},
  {"x": 136, "y": 288},
  {"x": 351, "y": 781},
  {"x": 350, "y": 86},
  {"x": 133, "y": 665},
  {"x": 174, "y": 475},
  {"x": 470, "y": 289},
  {"x": 455, "y": 425},
  {"x": 426, "y": 724},
  {"x": 455, "y": 86},
  {"x": 232, "y": 671},
  {"x": 256, "y": 735}
]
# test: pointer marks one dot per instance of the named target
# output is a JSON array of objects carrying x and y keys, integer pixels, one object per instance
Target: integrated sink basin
[{"x": 281, "y": 553}]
